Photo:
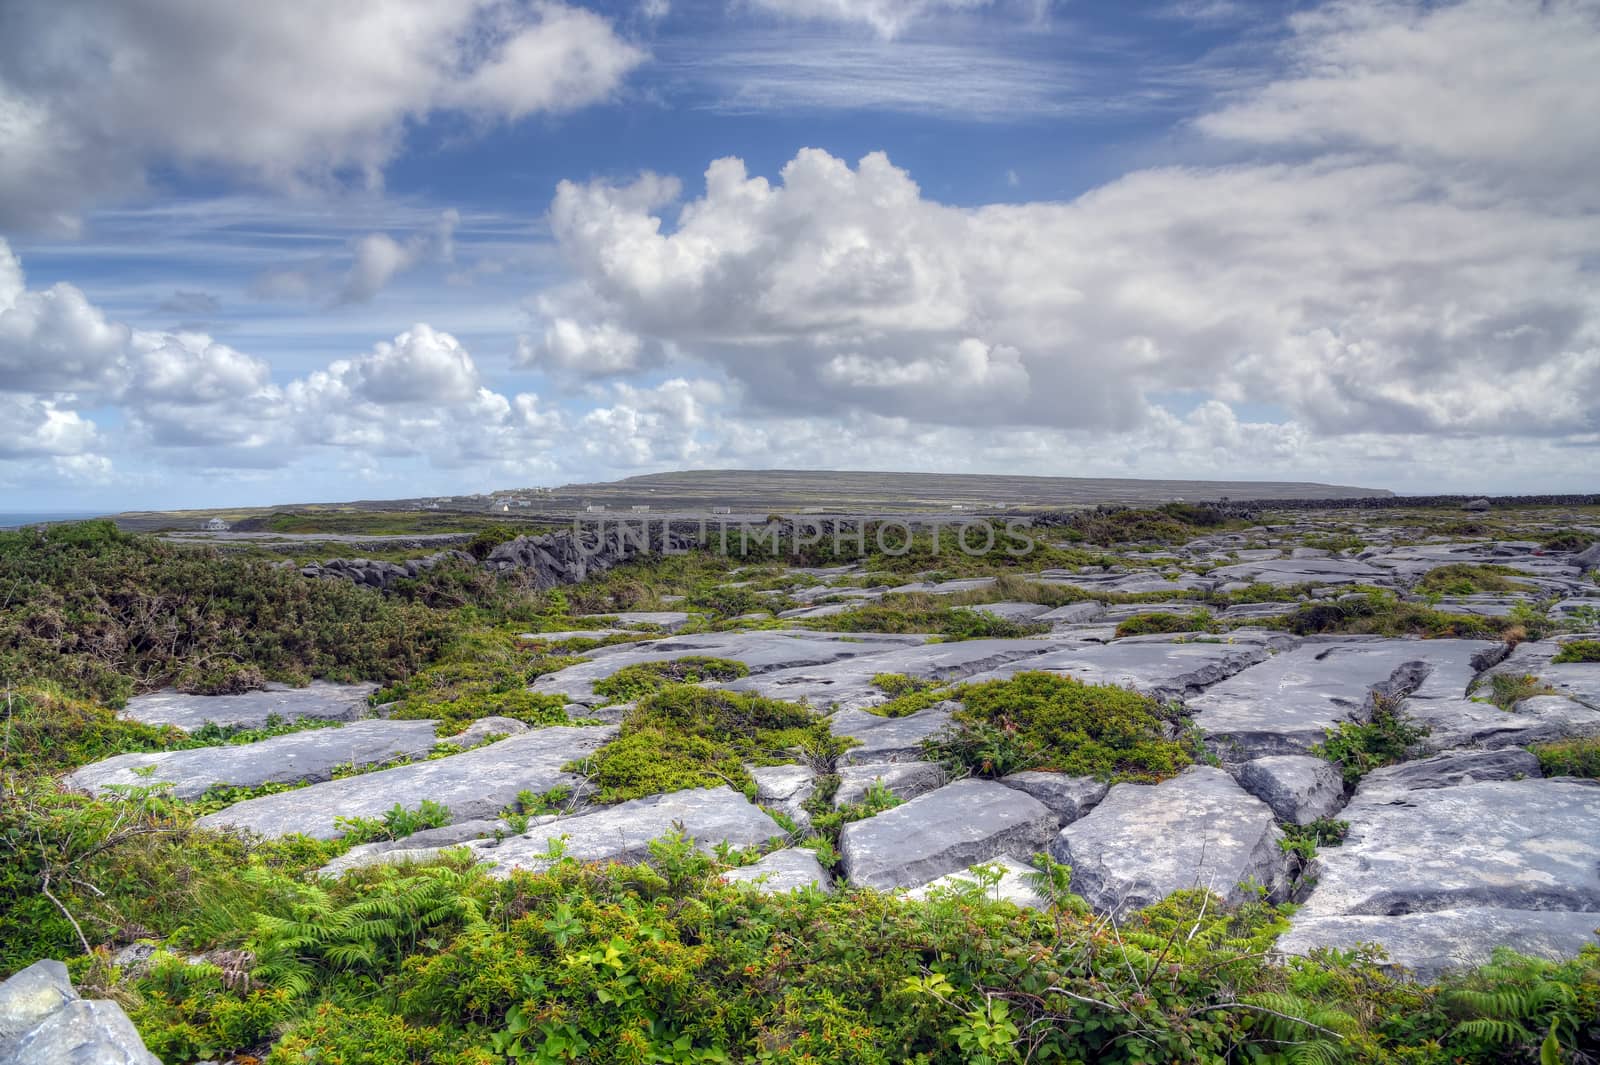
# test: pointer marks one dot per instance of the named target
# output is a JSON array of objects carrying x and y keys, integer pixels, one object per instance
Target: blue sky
[{"x": 331, "y": 251}]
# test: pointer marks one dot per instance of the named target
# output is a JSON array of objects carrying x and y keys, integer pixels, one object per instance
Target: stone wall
[{"x": 545, "y": 561}]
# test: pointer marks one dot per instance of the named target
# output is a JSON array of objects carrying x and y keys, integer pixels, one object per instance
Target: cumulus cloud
[
  {"x": 1377, "y": 284},
  {"x": 94, "y": 94},
  {"x": 1504, "y": 86},
  {"x": 31, "y": 428}
]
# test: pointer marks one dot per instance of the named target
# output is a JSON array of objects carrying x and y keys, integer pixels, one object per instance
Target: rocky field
[{"x": 1387, "y": 732}]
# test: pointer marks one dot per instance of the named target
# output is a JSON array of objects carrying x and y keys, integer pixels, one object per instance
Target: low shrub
[
  {"x": 1462, "y": 578},
  {"x": 684, "y": 736},
  {"x": 1360, "y": 747},
  {"x": 1569, "y": 758},
  {"x": 636, "y": 681},
  {"x": 1162, "y": 621},
  {"x": 1506, "y": 690},
  {"x": 1578, "y": 651},
  {"x": 1044, "y": 721}
]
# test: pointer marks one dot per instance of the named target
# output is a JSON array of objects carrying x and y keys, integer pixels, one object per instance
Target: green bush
[
  {"x": 689, "y": 737},
  {"x": 1043, "y": 721},
  {"x": 1462, "y": 578},
  {"x": 1161, "y": 621},
  {"x": 636, "y": 681},
  {"x": 1360, "y": 747},
  {"x": 106, "y": 614},
  {"x": 1571, "y": 540},
  {"x": 1578, "y": 651},
  {"x": 1569, "y": 758},
  {"x": 920, "y": 614},
  {"x": 1506, "y": 690}
]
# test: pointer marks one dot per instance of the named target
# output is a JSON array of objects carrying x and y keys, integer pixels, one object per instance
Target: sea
[{"x": 12, "y": 520}]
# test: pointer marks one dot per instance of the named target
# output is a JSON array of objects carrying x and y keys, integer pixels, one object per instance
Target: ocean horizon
[{"x": 17, "y": 519}]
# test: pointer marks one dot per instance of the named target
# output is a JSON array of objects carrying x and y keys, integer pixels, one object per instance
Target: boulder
[
  {"x": 905, "y": 780},
  {"x": 1431, "y": 944},
  {"x": 475, "y": 784},
  {"x": 31, "y": 995},
  {"x": 486, "y": 728},
  {"x": 670, "y": 620},
  {"x": 623, "y": 833},
  {"x": 1073, "y": 613},
  {"x": 785, "y": 788},
  {"x": 1287, "y": 705},
  {"x": 311, "y": 755},
  {"x": 44, "y": 1022},
  {"x": 1145, "y": 841},
  {"x": 1588, "y": 558},
  {"x": 761, "y": 652},
  {"x": 889, "y": 739},
  {"x": 848, "y": 684},
  {"x": 1022, "y": 613},
  {"x": 1068, "y": 797},
  {"x": 1299, "y": 788},
  {"x": 1509, "y": 844},
  {"x": 944, "y": 831},
  {"x": 1164, "y": 668},
  {"x": 1477, "y": 505},
  {"x": 319, "y": 699},
  {"x": 793, "y": 869},
  {"x": 1453, "y": 723},
  {"x": 1449, "y": 770}
]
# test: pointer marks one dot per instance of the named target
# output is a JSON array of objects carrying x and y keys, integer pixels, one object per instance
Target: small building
[
  {"x": 722, "y": 510},
  {"x": 215, "y": 525},
  {"x": 640, "y": 508},
  {"x": 595, "y": 508}
]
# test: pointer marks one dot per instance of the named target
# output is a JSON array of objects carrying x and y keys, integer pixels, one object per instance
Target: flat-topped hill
[{"x": 856, "y": 489}]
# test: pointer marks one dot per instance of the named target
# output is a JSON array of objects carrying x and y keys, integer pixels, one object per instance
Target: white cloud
[
  {"x": 886, "y": 17},
  {"x": 31, "y": 428},
  {"x": 1361, "y": 293},
  {"x": 1505, "y": 86},
  {"x": 96, "y": 93}
]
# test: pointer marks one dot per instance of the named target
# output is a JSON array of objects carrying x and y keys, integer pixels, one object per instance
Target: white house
[{"x": 216, "y": 525}]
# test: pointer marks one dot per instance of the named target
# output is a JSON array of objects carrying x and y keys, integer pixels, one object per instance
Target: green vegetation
[
  {"x": 1382, "y": 614},
  {"x": 446, "y": 964},
  {"x": 1506, "y": 690},
  {"x": 107, "y": 614},
  {"x": 923, "y": 613},
  {"x": 482, "y": 674},
  {"x": 1571, "y": 540},
  {"x": 636, "y": 681},
  {"x": 1578, "y": 651},
  {"x": 1569, "y": 758},
  {"x": 360, "y": 522},
  {"x": 1045, "y": 721},
  {"x": 397, "y": 823},
  {"x": 684, "y": 736},
  {"x": 1359, "y": 748},
  {"x": 1464, "y": 579},
  {"x": 1303, "y": 840},
  {"x": 1173, "y": 523},
  {"x": 906, "y": 694},
  {"x": 1162, "y": 621},
  {"x": 665, "y": 962}
]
